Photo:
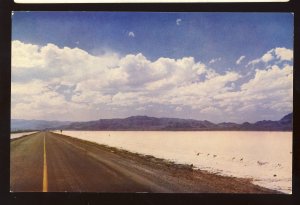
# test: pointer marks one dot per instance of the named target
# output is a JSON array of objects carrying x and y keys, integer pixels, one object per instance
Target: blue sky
[
  {"x": 216, "y": 40},
  {"x": 202, "y": 35}
]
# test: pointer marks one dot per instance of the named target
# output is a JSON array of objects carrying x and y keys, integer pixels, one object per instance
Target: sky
[{"x": 221, "y": 67}]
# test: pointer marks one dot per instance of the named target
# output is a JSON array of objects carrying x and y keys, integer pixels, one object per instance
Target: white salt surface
[
  {"x": 264, "y": 156},
  {"x": 20, "y": 134}
]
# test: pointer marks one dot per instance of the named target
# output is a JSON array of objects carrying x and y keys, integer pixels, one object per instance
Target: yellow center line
[{"x": 45, "y": 174}]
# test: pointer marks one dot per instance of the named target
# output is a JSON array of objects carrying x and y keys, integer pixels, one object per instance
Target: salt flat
[{"x": 20, "y": 134}]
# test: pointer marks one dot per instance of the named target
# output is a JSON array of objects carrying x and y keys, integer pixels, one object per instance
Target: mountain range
[{"x": 145, "y": 123}]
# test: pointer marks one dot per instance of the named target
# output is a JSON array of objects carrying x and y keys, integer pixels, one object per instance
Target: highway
[{"x": 50, "y": 162}]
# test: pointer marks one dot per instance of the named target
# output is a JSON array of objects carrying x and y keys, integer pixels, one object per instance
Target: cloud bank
[{"x": 49, "y": 82}]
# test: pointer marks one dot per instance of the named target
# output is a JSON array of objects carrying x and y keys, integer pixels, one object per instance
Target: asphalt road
[
  {"x": 49, "y": 162},
  {"x": 70, "y": 167}
]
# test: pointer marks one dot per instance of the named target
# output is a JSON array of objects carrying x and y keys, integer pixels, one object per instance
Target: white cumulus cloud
[
  {"x": 178, "y": 21},
  {"x": 50, "y": 82},
  {"x": 214, "y": 60},
  {"x": 283, "y": 54},
  {"x": 131, "y": 34},
  {"x": 240, "y": 60},
  {"x": 280, "y": 54}
]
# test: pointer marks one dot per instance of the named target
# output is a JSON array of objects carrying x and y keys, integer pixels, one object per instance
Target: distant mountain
[
  {"x": 141, "y": 123},
  {"x": 288, "y": 119},
  {"x": 175, "y": 124},
  {"x": 153, "y": 123},
  {"x": 284, "y": 124},
  {"x": 22, "y": 125}
]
